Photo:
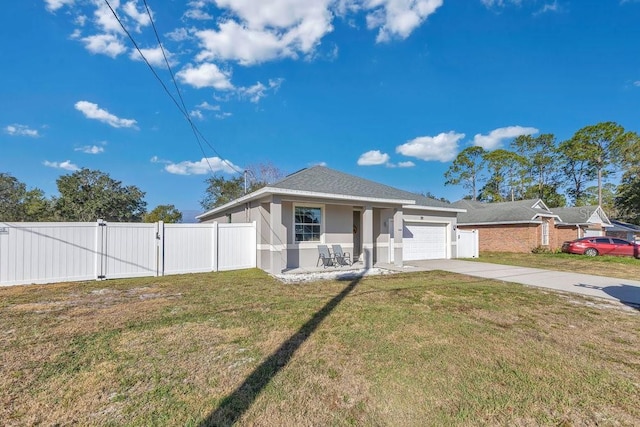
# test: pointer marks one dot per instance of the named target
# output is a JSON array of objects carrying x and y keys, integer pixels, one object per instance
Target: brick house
[
  {"x": 624, "y": 230},
  {"x": 524, "y": 225}
]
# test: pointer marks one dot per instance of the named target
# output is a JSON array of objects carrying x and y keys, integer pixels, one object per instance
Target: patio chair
[
  {"x": 341, "y": 257},
  {"x": 325, "y": 256}
]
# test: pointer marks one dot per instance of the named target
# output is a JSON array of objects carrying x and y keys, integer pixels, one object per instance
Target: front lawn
[
  {"x": 429, "y": 348},
  {"x": 620, "y": 267}
]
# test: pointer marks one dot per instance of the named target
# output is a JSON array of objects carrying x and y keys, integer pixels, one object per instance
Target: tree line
[
  {"x": 576, "y": 171},
  {"x": 84, "y": 196},
  {"x": 87, "y": 195}
]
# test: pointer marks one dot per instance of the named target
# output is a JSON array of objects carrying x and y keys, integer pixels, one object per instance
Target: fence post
[
  {"x": 160, "y": 248},
  {"x": 99, "y": 250},
  {"x": 214, "y": 242}
]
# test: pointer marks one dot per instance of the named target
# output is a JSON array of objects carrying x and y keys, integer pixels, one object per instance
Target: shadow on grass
[{"x": 238, "y": 402}]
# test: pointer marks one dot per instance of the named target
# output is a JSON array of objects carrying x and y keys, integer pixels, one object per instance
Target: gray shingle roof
[
  {"x": 503, "y": 212},
  {"x": 321, "y": 179},
  {"x": 575, "y": 215}
]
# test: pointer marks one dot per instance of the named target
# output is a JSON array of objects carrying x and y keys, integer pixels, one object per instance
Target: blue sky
[{"x": 389, "y": 90}]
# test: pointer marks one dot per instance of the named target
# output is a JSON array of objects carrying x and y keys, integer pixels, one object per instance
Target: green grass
[
  {"x": 620, "y": 267},
  {"x": 410, "y": 349}
]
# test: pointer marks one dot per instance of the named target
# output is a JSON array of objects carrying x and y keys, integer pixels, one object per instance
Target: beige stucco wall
[{"x": 337, "y": 228}]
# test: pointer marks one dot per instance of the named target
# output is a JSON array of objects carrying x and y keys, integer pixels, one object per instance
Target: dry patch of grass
[
  {"x": 620, "y": 267},
  {"x": 411, "y": 349}
]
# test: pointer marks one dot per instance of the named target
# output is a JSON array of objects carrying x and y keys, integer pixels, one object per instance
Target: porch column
[
  {"x": 277, "y": 238},
  {"x": 367, "y": 236},
  {"x": 397, "y": 237}
]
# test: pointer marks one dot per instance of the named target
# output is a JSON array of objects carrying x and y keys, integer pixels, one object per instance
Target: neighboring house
[
  {"x": 374, "y": 222},
  {"x": 583, "y": 221},
  {"x": 524, "y": 225},
  {"x": 624, "y": 230},
  {"x": 518, "y": 226}
]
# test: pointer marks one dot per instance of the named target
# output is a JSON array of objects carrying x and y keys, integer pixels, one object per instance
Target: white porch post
[
  {"x": 278, "y": 237},
  {"x": 367, "y": 236},
  {"x": 397, "y": 238}
]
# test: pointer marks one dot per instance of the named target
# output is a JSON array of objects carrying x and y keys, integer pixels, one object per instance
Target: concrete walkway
[{"x": 625, "y": 291}]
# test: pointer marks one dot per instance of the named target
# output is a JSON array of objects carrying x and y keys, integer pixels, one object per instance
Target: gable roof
[
  {"x": 624, "y": 226},
  {"x": 519, "y": 211},
  {"x": 323, "y": 182},
  {"x": 580, "y": 215}
]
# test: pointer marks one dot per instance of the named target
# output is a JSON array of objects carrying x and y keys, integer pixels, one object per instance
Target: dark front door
[{"x": 357, "y": 235}]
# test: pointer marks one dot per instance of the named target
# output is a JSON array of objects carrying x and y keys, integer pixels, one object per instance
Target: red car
[{"x": 594, "y": 246}]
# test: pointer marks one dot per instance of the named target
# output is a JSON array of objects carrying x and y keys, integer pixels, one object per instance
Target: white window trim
[
  {"x": 293, "y": 224},
  {"x": 544, "y": 241}
]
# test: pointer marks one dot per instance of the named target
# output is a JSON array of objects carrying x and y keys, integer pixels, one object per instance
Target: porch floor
[{"x": 356, "y": 266}]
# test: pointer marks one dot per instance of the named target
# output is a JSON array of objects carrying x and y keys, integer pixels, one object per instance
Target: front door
[{"x": 357, "y": 235}]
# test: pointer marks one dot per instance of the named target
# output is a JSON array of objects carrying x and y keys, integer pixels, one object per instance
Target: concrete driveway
[{"x": 625, "y": 291}]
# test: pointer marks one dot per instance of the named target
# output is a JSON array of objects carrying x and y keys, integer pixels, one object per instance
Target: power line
[{"x": 181, "y": 106}]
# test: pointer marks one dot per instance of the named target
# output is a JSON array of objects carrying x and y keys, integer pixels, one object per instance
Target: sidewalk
[{"x": 623, "y": 290}]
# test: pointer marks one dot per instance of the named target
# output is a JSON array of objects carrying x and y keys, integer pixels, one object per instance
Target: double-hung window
[
  {"x": 545, "y": 233},
  {"x": 307, "y": 224}
]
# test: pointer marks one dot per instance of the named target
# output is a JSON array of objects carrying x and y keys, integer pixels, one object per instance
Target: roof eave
[
  {"x": 301, "y": 193},
  {"x": 499, "y": 222},
  {"x": 433, "y": 208}
]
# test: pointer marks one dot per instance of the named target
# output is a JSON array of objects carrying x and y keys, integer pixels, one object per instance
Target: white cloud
[
  {"x": 104, "y": 19},
  {"x": 266, "y": 30},
  {"x": 140, "y": 18},
  {"x": 500, "y": 3},
  {"x": 202, "y": 167},
  {"x": 90, "y": 149},
  {"x": 497, "y": 136},
  {"x": 398, "y": 18},
  {"x": 178, "y": 35},
  {"x": 408, "y": 164},
  {"x": 196, "y": 114},
  {"x": 66, "y": 165},
  {"x": 106, "y": 44},
  {"x": 636, "y": 83},
  {"x": 373, "y": 158},
  {"x": 154, "y": 56},
  {"x": 549, "y": 7},
  {"x": 81, "y": 20},
  {"x": 442, "y": 147},
  {"x": 206, "y": 106},
  {"x": 222, "y": 116},
  {"x": 53, "y": 5},
  {"x": 21, "y": 130},
  {"x": 259, "y": 90},
  {"x": 92, "y": 111},
  {"x": 195, "y": 11},
  {"x": 205, "y": 75}
]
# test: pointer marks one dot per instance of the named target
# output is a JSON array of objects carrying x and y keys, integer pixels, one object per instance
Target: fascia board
[
  {"x": 500, "y": 223},
  {"x": 311, "y": 194},
  {"x": 432, "y": 208}
]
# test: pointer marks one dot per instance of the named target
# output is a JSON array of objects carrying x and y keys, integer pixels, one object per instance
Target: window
[
  {"x": 307, "y": 224},
  {"x": 620, "y": 242},
  {"x": 603, "y": 240},
  {"x": 545, "y": 234}
]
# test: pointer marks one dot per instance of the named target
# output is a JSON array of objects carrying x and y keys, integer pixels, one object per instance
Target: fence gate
[
  {"x": 468, "y": 244},
  {"x": 127, "y": 250}
]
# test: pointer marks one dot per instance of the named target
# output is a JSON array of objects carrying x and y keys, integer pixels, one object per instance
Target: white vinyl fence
[
  {"x": 47, "y": 252},
  {"x": 468, "y": 244}
]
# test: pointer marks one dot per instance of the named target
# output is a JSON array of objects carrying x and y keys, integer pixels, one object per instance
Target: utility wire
[{"x": 181, "y": 106}]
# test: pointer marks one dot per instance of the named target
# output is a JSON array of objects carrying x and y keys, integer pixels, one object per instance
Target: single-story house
[
  {"x": 585, "y": 221},
  {"x": 624, "y": 230},
  {"x": 374, "y": 222},
  {"x": 524, "y": 225}
]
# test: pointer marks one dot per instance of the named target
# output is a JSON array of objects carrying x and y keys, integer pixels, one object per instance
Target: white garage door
[{"x": 424, "y": 241}]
